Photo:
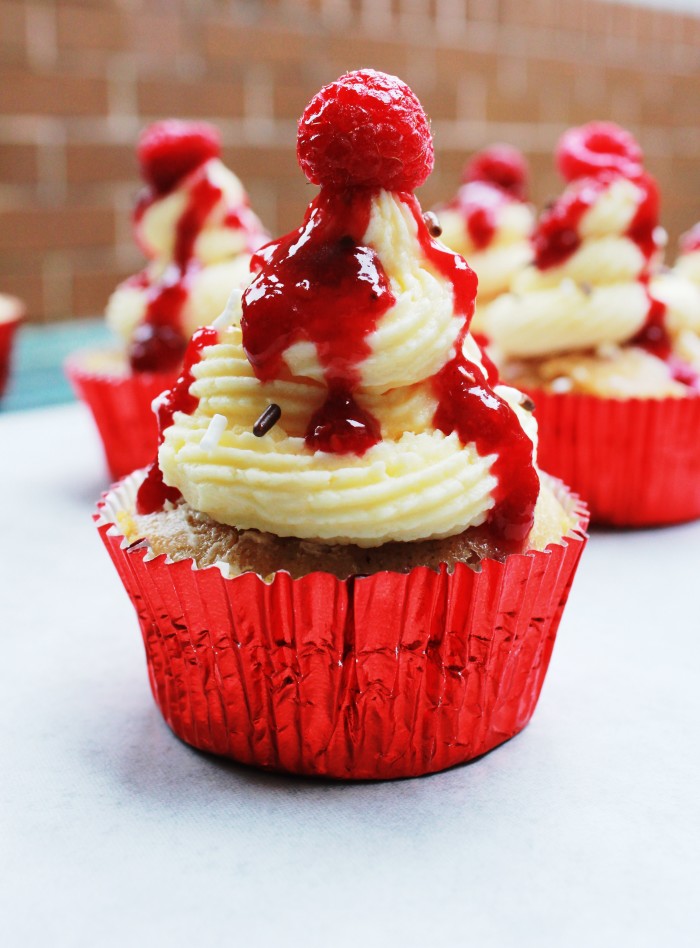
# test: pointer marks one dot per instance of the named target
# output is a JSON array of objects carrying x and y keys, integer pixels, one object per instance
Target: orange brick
[
  {"x": 25, "y": 93},
  {"x": 80, "y": 27},
  {"x": 36, "y": 228},
  {"x": 18, "y": 164},
  {"x": 92, "y": 288},
  {"x": 13, "y": 33},
  {"x": 29, "y": 288},
  {"x": 257, "y": 43},
  {"x": 97, "y": 163},
  {"x": 159, "y": 98}
]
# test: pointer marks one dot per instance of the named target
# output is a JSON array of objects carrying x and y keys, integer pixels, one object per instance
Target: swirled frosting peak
[
  {"x": 595, "y": 249},
  {"x": 345, "y": 401},
  {"x": 489, "y": 221},
  {"x": 194, "y": 224}
]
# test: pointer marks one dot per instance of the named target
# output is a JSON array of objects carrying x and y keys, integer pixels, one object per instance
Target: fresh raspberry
[
  {"x": 156, "y": 348},
  {"x": 585, "y": 151},
  {"x": 169, "y": 150},
  {"x": 365, "y": 130},
  {"x": 501, "y": 165}
]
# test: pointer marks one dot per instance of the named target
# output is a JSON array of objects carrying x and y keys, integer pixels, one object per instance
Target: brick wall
[{"x": 78, "y": 79}]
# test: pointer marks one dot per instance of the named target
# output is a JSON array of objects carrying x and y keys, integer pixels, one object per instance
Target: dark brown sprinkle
[
  {"x": 549, "y": 204},
  {"x": 527, "y": 404},
  {"x": 586, "y": 288},
  {"x": 267, "y": 420},
  {"x": 432, "y": 223}
]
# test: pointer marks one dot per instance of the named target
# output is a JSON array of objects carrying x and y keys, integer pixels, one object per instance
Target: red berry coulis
[{"x": 153, "y": 492}]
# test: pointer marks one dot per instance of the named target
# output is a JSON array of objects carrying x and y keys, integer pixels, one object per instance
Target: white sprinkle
[
  {"x": 660, "y": 236},
  {"x": 561, "y": 384},
  {"x": 568, "y": 286},
  {"x": 232, "y": 311},
  {"x": 212, "y": 436}
]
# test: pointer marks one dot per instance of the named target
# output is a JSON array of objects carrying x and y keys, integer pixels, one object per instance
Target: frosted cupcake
[
  {"x": 594, "y": 331},
  {"x": 687, "y": 268},
  {"x": 195, "y": 226},
  {"x": 11, "y": 314},
  {"x": 489, "y": 222},
  {"x": 345, "y": 562}
]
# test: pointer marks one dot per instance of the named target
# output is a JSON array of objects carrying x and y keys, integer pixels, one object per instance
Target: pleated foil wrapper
[
  {"x": 8, "y": 328},
  {"x": 375, "y": 677},
  {"x": 635, "y": 462},
  {"x": 121, "y": 408}
]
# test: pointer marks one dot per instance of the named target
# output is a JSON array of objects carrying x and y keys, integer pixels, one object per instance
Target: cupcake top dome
[{"x": 385, "y": 422}]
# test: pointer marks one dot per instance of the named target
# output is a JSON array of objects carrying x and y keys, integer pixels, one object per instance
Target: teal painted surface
[{"x": 37, "y": 377}]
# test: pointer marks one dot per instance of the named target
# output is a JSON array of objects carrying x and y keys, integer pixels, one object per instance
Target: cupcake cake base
[{"x": 394, "y": 674}]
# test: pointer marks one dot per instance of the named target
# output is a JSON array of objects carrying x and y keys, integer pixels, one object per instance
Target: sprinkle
[
  {"x": 232, "y": 311},
  {"x": 432, "y": 223},
  {"x": 586, "y": 288},
  {"x": 212, "y": 436},
  {"x": 267, "y": 420},
  {"x": 527, "y": 404}
]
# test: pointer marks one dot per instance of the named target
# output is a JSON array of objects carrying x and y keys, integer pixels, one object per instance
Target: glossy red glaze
[
  {"x": 153, "y": 493},
  {"x": 341, "y": 426},
  {"x": 557, "y": 235},
  {"x": 469, "y": 406},
  {"x": 169, "y": 295}
]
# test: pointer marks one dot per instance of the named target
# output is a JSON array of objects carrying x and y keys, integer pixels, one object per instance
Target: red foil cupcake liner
[
  {"x": 635, "y": 462},
  {"x": 8, "y": 328},
  {"x": 382, "y": 676},
  {"x": 121, "y": 407}
]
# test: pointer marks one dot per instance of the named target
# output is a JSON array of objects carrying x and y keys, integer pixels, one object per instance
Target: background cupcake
[
  {"x": 595, "y": 331},
  {"x": 194, "y": 224},
  {"x": 489, "y": 222},
  {"x": 11, "y": 313},
  {"x": 360, "y": 484}
]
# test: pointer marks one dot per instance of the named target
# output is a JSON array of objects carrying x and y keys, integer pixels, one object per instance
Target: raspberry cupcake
[
  {"x": 345, "y": 562},
  {"x": 594, "y": 331},
  {"x": 194, "y": 224},
  {"x": 489, "y": 222},
  {"x": 11, "y": 314}
]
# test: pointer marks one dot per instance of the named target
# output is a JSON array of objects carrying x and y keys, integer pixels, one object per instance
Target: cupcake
[
  {"x": 345, "y": 562},
  {"x": 595, "y": 331},
  {"x": 687, "y": 268},
  {"x": 11, "y": 313},
  {"x": 489, "y": 222},
  {"x": 194, "y": 224}
]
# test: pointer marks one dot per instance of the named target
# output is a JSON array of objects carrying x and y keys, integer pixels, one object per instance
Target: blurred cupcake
[
  {"x": 194, "y": 224},
  {"x": 489, "y": 222},
  {"x": 594, "y": 330},
  {"x": 687, "y": 268},
  {"x": 11, "y": 313},
  {"x": 346, "y": 562}
]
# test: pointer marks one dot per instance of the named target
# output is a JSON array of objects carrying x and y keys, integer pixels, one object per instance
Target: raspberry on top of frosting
[
  {"x": 194, "y": 224},
  {"x": 389, "y": 424},
  {"x": 597, "y": 250}
]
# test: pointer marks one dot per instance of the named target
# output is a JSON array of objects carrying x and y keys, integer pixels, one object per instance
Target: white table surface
[{"x": 584, "y": 830}]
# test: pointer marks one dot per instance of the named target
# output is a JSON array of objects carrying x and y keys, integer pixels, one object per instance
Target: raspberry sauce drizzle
[
  {"x": 557, "y": 236},
  {"x": 478, "y": 202},
  {"x": 153, "y": 492},
  {"x": 320, "y": 284},
  {"x": 468, "y": 405},
  {"x": 167, "y": 297}
]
